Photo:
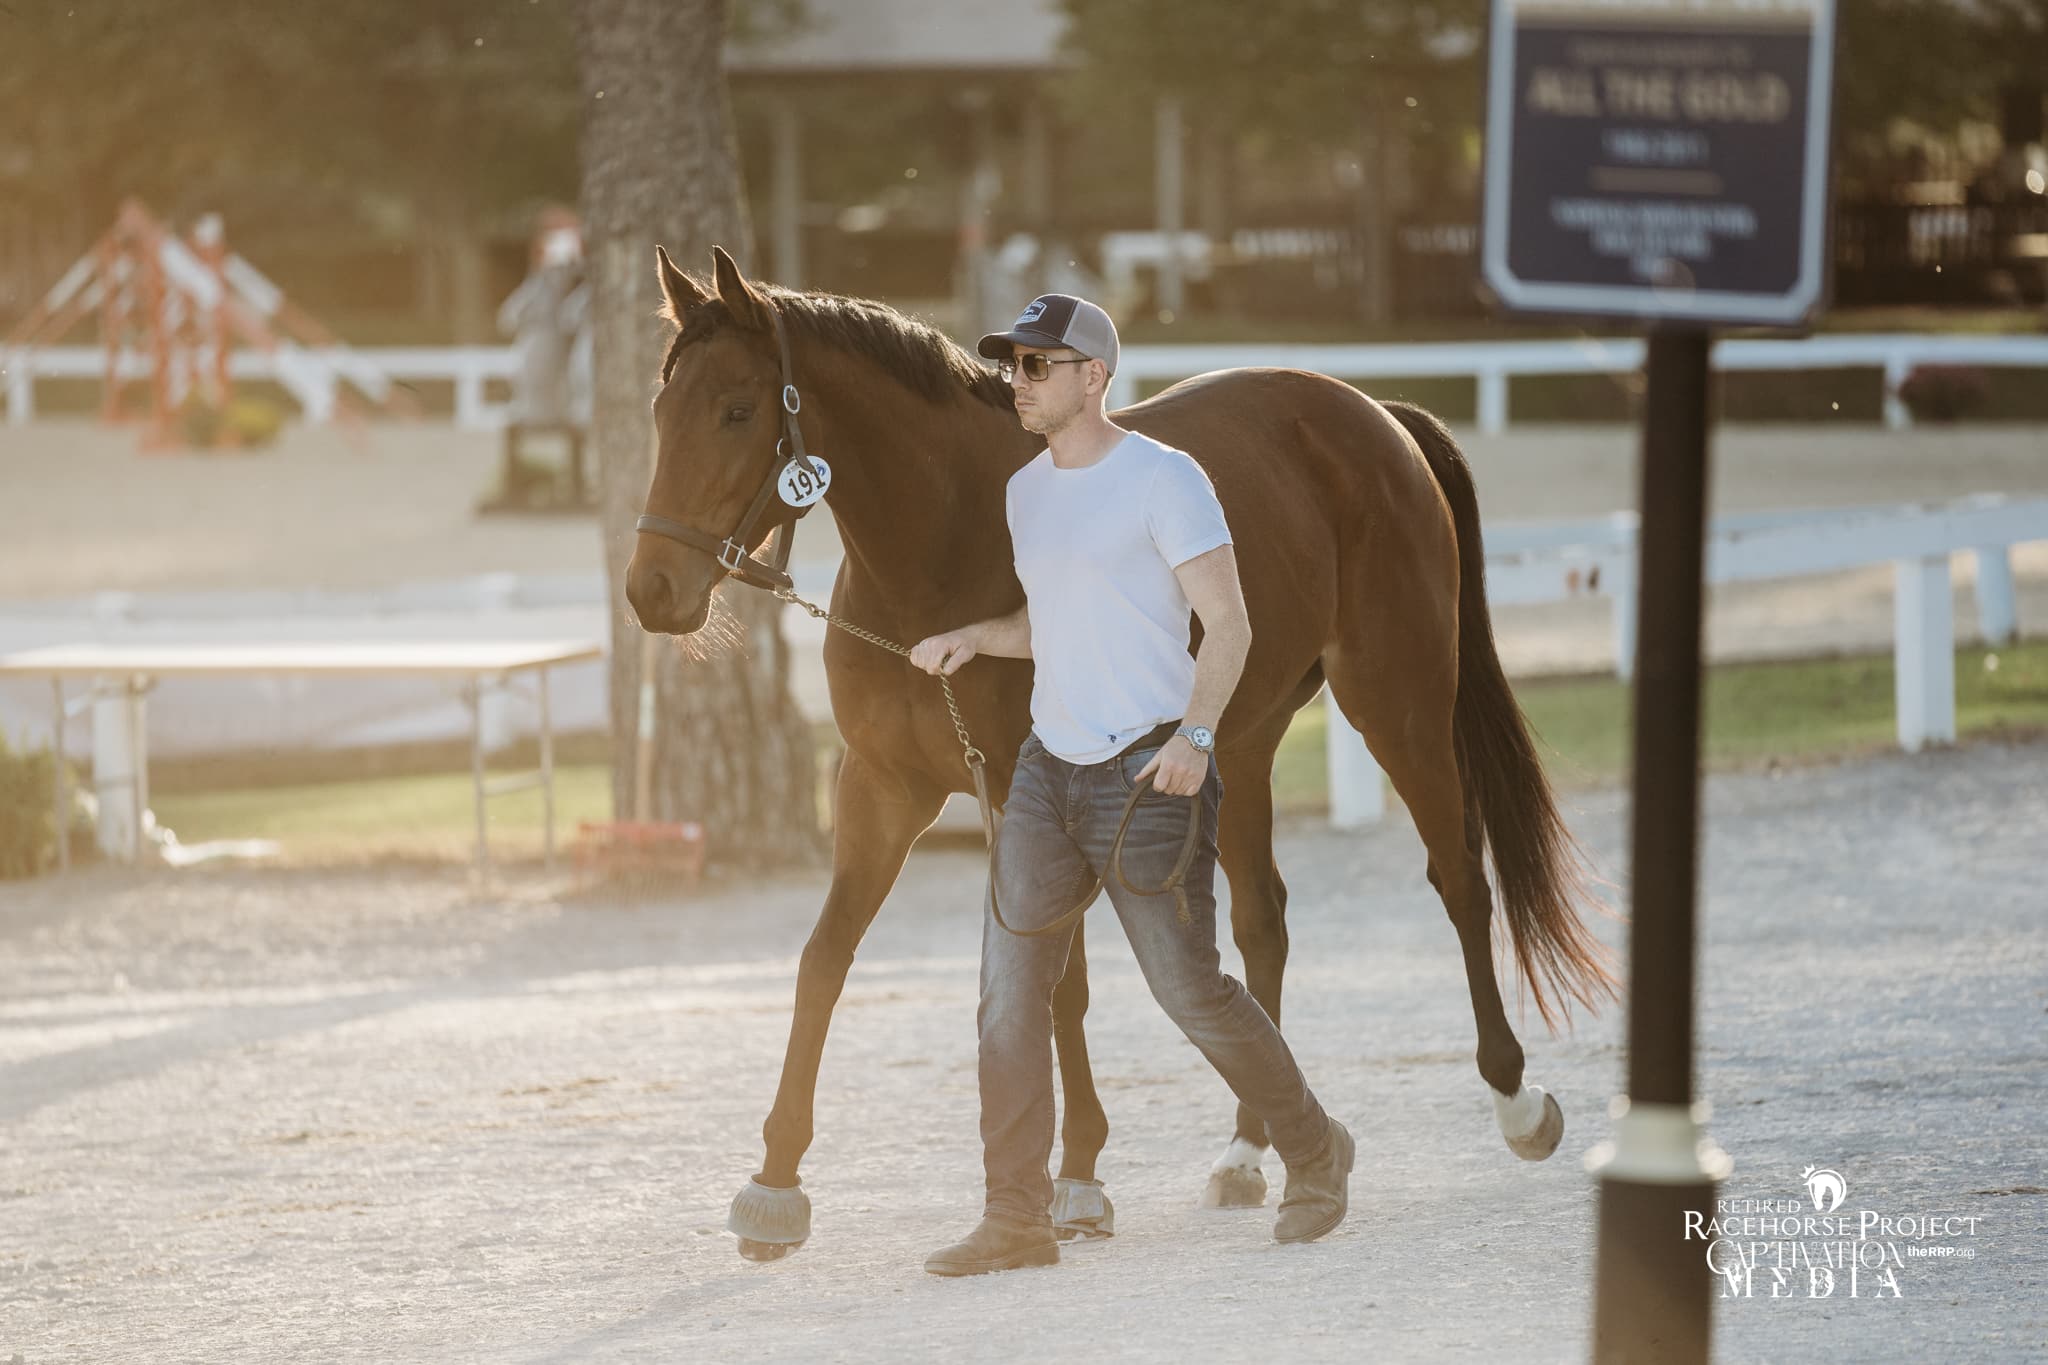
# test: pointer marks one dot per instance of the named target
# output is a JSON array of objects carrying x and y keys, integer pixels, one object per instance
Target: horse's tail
[{"x": 1542, "y": 873}]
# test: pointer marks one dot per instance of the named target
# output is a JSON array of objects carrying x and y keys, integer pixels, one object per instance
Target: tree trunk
[{"x": 659, "y": 165}]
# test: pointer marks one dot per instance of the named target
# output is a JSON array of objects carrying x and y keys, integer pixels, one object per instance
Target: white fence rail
[
  {"x": 1491, "y": 364},
  {"x": 469, "y": 368},
  {"x": 1555, "y": 562},
  {"x": 1552, "y": 561}
]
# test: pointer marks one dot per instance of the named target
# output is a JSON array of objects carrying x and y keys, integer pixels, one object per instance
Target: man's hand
[
  {"x": 937, "y": 654},
  {"x": 1178, "y": 769}
]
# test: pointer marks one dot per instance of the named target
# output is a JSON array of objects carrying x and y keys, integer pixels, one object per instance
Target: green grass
[
  {"x": 1790, "y": 712},
  {"x": 1796, "y": 711},
  {"x": 427, "y": 816},
  {"x": 402, "y": 815}
]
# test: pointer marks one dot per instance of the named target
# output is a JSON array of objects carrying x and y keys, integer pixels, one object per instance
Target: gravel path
[{"x": 256, "y": 1116}]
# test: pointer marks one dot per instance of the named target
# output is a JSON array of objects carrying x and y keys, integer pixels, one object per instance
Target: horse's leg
[
  {"x": 1258, "y": 923},
  {"x": 1079, "y": 1208},
  {"x": 1403, "y": 708},
  {"x": 875, "y": 828}
]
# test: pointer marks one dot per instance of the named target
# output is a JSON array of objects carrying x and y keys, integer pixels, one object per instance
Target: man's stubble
[{"x": 1049, "y": 422}]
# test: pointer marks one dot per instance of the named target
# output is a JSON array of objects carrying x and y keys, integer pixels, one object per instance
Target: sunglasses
[{"x": 1036, "y": 367}]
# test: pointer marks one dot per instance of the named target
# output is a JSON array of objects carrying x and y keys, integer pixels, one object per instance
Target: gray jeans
[{"x": 1057, "y": 828}]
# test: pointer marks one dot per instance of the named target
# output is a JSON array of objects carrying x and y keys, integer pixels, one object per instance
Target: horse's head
[{"x": 716, "y": 422}]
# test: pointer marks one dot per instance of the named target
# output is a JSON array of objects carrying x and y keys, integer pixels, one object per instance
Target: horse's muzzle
[{"x": 660, "y": 601}]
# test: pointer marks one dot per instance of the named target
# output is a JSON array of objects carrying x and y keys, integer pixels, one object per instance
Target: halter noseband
[{"x": 731, "y": 552}]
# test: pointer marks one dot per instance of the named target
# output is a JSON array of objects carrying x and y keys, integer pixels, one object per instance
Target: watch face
[{"x": 1203, "y": 736}]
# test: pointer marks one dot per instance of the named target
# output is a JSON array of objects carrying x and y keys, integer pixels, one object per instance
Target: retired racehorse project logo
[
  {"x": 1777, "y": 1249},
  {"x": 1033, "y": 311},
  {"x": 1826, "y": 1188}
]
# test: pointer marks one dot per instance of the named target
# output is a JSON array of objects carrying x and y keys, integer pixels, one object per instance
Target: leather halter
[{"x": 731, "y": 551}]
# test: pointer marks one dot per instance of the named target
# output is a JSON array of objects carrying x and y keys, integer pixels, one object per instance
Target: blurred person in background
[{"x": 548, "y": 317}]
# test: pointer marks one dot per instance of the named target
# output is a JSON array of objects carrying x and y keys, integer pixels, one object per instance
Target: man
[{"x": 1116, "y": 537}]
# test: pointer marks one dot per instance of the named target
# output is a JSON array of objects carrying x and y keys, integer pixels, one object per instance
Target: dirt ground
[{"x": 260, "y": 1116}]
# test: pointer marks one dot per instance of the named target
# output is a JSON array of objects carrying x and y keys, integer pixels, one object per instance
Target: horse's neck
[{"x": 917, "y": 494}]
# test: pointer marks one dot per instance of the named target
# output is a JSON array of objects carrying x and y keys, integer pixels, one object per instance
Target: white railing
[
  {"x": 1538, "y": 562},
  {"x": 311, "y": 370},
  {"x": 1559, "y": 561},
  {"x": 1490, "y": 364}
]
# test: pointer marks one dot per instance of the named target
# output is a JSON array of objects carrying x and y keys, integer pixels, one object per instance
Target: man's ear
[
  {"x": 746, "y": 304},
  {"x": 679, "y": 292}
]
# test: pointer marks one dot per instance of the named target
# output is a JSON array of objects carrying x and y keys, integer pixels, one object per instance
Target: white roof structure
[{"x": 867, "y": 37}]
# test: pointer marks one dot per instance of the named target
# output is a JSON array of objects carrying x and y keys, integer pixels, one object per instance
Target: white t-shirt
[{"x": 1096, "y": 548}]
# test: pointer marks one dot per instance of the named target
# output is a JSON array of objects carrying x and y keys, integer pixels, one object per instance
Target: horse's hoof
[
  {"x": 1081, "y": 1212},
  {"x": 769, "y": 1222},
  {"x": 1540, "y": 1141},
  {"x": 752, "y": 1250},
  {"x": 1235, "y": 1187}
]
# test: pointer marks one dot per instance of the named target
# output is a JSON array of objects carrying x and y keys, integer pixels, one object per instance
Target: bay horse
[{"x": 1358, "y": 546}]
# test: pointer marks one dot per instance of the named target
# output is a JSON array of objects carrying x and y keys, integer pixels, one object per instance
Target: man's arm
[
  {"x": 1210, "y": 583},
  {"x": 1006, "y": 636}
]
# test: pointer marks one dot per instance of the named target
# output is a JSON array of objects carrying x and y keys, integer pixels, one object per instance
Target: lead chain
[
  {"x": 974, "y": 755},
  {"x": 975, "y": 761}
]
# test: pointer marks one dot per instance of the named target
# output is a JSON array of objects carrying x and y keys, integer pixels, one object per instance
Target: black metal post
[{"x": 1653, "y": 1287}]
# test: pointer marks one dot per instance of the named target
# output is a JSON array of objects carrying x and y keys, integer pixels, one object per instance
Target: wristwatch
[{"x": 1201, "y": 736}]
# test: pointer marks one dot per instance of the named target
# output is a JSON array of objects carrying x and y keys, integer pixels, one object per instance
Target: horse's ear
[
  {"x": 679, "y": 292},
  {"x": 746, "y": 305}
]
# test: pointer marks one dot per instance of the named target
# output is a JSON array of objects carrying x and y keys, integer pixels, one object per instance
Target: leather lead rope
[{"x": 1116, "y": 863}]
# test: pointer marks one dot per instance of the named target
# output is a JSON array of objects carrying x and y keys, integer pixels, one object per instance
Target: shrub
[
  {"x": 1943, "y": 393},
  {"x": 28, "y": 830},
  {"x": 255, "y": 422}
]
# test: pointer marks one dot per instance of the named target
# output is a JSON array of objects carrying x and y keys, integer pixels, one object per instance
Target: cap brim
[{"x": 996, "y": 345}]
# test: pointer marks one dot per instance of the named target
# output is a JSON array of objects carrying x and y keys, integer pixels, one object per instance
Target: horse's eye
[{"x": 738, "y": 413}]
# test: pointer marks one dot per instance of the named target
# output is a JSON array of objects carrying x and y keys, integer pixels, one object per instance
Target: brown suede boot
[
  {"x": 1319, "y": 1192},
  {"x": 996, "y": 1243}
]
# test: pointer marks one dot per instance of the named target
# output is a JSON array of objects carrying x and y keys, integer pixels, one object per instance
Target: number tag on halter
[{"x": 800, "y": 487}]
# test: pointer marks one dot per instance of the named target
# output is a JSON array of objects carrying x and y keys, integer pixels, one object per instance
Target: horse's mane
[{"x": 915, "y": 354}]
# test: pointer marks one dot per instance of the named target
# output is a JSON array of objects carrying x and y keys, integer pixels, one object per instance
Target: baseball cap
[{"x": 1057, "y": 320}]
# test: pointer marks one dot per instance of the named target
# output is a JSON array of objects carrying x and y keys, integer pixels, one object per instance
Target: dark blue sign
[{"x": 1658, "y": 160}]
